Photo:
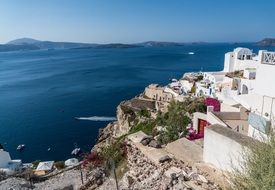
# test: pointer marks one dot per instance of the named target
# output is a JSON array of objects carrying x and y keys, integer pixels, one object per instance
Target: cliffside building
[
  {"x": 239, "y": 59},
  {"x": 8, "y": 165}
]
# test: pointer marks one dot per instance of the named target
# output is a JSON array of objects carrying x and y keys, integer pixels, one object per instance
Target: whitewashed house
[
  {"x": 240, "y": 59},
  {"x": 254, "y": 90},
  {"x": 260, "y": 95},
  {"x": 8, "y": 165},
  {"x": 210, "y": 84}
]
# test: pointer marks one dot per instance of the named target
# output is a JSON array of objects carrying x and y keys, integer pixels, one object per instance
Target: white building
[
  {"x": 260, "y": 95},
  {"x": 249, "y": 84},
  {"x": 8, "y": 165},
  {"x": 44, "y": 167},
  {"x": 210, "y": 84},
  {"x": 239, "y": 59}
]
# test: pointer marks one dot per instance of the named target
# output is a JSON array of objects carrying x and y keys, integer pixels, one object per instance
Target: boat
[
  {"x": 49, "y": 149},
  {"x": 191, "y": 53},
  {"x": 75, "y": 151},
  {"x": 20, "y": 147}
]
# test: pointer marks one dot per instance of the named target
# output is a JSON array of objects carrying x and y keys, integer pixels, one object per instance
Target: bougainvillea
[
  {"x": 213, "y": 102},
  {"x": 93, "y": 158},
  {"x": 193, "y": 135}
]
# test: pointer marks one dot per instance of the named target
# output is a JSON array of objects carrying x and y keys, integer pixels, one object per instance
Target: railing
[{"x": 268, "y": 58}]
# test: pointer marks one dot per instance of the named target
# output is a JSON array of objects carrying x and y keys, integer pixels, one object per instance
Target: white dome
[{"x": 243, "y": 51}]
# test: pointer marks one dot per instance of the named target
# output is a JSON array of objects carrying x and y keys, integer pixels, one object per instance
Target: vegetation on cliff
[
  {"x": 173, "y": 123},
  {"x": 147, "y": 127},
  {"x": 258, "y": 167}
]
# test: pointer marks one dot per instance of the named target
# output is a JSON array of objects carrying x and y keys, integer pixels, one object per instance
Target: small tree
[
  {"x": 175, "y": 120},
  {"x": 258, "y": 167}
]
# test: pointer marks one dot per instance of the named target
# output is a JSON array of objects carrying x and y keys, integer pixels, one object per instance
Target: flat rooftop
[{"x": 238, "y": 137}]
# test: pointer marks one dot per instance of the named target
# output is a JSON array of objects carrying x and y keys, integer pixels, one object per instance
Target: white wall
[
  {"x": 221, "y": 151},
  {"x": 243, "y": 64},
  {"x": 265, "y": 80},
  {"x": 249, "y": 83},
  {"x": 258, "y": 104},
  {"x": 4, "y": 158},
  {"x": 228, "y": 62}
]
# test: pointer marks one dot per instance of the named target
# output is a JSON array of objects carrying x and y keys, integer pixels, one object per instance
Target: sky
[{"x": 130, "y": 21}]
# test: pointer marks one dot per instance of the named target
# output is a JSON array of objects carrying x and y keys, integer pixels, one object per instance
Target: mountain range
[{"x": 24, "y": 44}]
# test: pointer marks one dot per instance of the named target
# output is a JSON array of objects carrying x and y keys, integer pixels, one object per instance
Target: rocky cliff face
[{"x": 126, "y": 115}]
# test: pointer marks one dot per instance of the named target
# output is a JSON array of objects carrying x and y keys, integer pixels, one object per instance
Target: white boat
[
  {"x": 20, "y": 147},
  {"x": 191, "y": 53},
  {"x": 75, "y": 151}
]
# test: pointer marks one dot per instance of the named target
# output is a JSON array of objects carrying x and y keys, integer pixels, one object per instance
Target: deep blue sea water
[{"x": 41, "y": 92}]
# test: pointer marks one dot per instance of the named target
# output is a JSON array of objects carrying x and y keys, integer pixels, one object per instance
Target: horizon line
[{"x": 160, "y": 41}]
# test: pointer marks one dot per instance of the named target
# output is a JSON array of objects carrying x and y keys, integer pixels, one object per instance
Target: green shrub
[
  {"x": 144, "y": 113},
  {"x": 146, "y": 127},
  {"x": 35, "y": 163},
  {"x": 175, "y": 121},
  {"x": 172, "y": 132}
]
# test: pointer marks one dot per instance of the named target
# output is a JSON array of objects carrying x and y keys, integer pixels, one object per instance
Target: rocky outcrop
[
  {"x": 96, "y": 179},
  {"x": 170, "y": 174},
  {"x": 126, "y": 118},
  {"x": 127, "y": 113}
]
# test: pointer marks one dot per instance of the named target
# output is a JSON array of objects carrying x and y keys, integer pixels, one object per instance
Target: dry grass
[{"x": 258, "y": 168}]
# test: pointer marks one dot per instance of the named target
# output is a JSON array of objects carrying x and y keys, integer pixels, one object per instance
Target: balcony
[{"x": 268, "y": 58}]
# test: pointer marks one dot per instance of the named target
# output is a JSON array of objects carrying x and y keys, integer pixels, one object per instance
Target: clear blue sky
[{"x": 127, "y": 21}]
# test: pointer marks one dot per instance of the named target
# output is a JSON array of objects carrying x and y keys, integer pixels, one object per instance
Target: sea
[{"x": 42, "y": 92}]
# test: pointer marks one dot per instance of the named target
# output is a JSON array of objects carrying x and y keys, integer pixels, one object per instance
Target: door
[{"x": 202, "y": 124}]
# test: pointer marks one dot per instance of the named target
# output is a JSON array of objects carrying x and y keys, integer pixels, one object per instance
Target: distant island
[
  {"x": 24, "y": 44},
  {"x": 27, "y": 44},
  {"x": 267, "y": 42}
]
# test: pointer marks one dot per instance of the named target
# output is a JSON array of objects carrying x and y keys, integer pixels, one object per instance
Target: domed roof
[{"x": 243, "y": 51}]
